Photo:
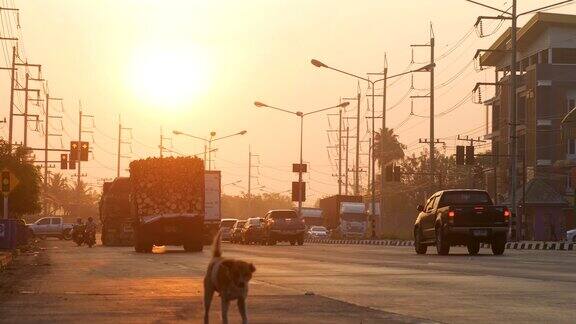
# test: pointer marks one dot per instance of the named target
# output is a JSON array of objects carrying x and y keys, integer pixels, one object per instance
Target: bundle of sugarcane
[{"x": 172, "y": 185}]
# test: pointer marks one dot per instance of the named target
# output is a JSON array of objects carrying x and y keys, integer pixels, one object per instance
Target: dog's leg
[
  {"x": 225, "y": 305},
  {"x": 208, "y": 294},
  {"x": 242, "y": 310}
]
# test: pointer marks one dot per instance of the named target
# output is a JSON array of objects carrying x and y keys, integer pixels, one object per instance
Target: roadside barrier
[
  {"x": 5, "y": 259},
  {"x": 523, "y": 245}
]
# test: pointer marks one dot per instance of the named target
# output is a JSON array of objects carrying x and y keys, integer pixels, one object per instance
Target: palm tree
[{"x": 393, "y": 149}]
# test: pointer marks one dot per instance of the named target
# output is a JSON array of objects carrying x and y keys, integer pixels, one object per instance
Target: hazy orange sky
[{"x": 198, "y": 66}]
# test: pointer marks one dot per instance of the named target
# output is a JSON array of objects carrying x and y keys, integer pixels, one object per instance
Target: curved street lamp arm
[
  {"x": 188, "y": 135},
  {"x": 421, "y": 69},
  {"x": 545, "y": 7},
  {"x": 223, "y": 137},
  {"x": 350, "y": 74},
  {"x": 323, "y": 109},
  {"x": 280, "y": 109},
  {"x": 489, "y": 7}
]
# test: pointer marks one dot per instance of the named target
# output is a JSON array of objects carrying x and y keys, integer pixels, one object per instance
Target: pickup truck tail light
[
  {"x": 451, "y": 214},
  {"x": 507, "y": 213}
]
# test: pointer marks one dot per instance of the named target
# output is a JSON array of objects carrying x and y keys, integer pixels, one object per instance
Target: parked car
[
  {"x": 317, "y": 232},
  {"x": 571, "y": 236},
  {"x": 253, "y": 231},
  {"x": 283, "y": 225},
  {"x": 236, "y": 231},
  {"x": 461, "y": 217},
  {"x": 51, "y": 227},
  {"x": 225, "y": 226}
]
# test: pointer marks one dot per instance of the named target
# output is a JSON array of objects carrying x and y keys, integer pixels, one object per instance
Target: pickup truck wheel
[
  {"x": 271, "y": 242},
  {"x": 67, "y": 235},
  {"x": 292, "y": 242},
  {"x": 473, "y": 247},
  {"x": 301, "y": 241},
  {"x": 193, "y": 246},
  {"x": 442, "y": 246},
  {"x": 142, "y": 247},
  {"x": 498, "y": 246},
  {"x": 418, "y": 246}
]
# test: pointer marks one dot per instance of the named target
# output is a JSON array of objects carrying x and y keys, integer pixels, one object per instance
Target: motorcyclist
[
  {"x": 90, "y": 230},
  {"x": 77, "y": 229}
]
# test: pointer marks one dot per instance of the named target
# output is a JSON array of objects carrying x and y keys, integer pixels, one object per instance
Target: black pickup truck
[
  {"x": 283, "y": 225},
  {"x": 461, "y": 217}
]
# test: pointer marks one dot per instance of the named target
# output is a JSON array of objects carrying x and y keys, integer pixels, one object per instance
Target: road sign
[
  {"x": 9, "y": 181},
  {"x": 295, "y": 191},
  {"x": 296, "y": 167}
]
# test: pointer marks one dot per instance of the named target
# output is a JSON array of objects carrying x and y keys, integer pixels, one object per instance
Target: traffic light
[
  {"x": 63, "y": 161},
  {"x": 5, "y": 181},
  {"x": 296, "y": 191},
  {"x": 389, "y": 173},
  {"x": 73, "y": 151},
  {"x": 397, "y": 174},
  {"x": 84, "y": 148},
  {"x": 84, "y": 151},
  {"x": 459, "y": 155},
  {"x": 71, "y": 163},
  {"x": 470, "y": 155}
]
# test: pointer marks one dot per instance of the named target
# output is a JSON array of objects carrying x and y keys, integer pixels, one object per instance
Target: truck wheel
[
  {"x": 271, "y": 241},
  {"x": 498, "y": 245},
  {"x": 301, "y": 240},
  {"x": 292, "y": 242},
  {"x": 193, "y": 246},
  {"x": 142, "y": 247},
  {"x": 418, "y": 245},
  {"x": 442, "y": 244},
  {"x": 473, "y": 247}
]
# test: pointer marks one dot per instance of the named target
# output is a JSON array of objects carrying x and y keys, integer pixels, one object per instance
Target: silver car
[
  {"x": 225, "y": 226},
  {"x": 317, "y": 232}
]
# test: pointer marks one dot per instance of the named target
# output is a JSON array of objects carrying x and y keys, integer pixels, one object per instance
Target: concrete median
[{"x": 523, "y": 245}]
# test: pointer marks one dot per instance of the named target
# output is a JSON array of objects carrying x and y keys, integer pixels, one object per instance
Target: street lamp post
[
  {"x": 319, "y": 64},
  {"x": 301, "y": 115},
  {"x": 209, "y": 141}
]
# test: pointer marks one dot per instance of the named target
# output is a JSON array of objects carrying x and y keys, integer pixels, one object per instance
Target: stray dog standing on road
[{"x": 230, "y": 279}]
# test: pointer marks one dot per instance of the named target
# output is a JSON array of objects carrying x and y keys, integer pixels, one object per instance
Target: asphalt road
[{"x": 308, "y": 284}]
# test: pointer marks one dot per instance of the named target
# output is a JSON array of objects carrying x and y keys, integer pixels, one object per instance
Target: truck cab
[{"x": 353, "y": 220}]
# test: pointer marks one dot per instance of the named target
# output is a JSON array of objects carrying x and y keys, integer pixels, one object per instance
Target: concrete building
[{"x": 546, "y": 92}]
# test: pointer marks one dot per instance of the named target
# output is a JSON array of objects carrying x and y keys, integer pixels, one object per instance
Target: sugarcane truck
[{"x": 168, "y": 203}]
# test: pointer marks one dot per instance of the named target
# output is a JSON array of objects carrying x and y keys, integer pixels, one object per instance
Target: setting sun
[{"x": 169, "y": 76}]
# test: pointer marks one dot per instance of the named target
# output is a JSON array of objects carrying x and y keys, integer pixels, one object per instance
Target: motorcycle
[
  {"x": 90, "y": 237},
  {"x": 78, "y": 234}
]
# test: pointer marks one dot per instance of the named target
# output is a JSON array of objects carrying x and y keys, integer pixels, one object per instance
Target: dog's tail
[{"x": 216, "y": 245}]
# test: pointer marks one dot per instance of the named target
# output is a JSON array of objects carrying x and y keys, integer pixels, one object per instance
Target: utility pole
[
  {"x": 46, "y": 137},
  {"x": 384, "y": 74},
  {"x": 340, "y": 151},
  {"x": 162, "y": 148},
  {"x": 346, "y": 165},
  {"x": 81, "y": 116},
  {"x": 12, "y": 82},
  {"x": 250, "y": 166},
  {"x": 471, "y": 141},
  {"x": 431, "y": 141},
  {"x": 12, "y": 69},
  {"x": 120, "y": 142},
  {"x": 161, "y": 142},
  {"x": 357, "y": 157}
]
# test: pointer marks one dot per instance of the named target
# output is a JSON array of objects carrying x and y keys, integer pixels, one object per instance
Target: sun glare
[{"x": 169, "y": 77}]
